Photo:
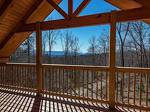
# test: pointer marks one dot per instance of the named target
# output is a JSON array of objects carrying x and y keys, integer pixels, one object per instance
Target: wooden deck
[{"x": 23, "y": 101}]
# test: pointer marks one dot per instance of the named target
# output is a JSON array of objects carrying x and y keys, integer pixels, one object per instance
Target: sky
[{"x": 83, "y": 33}]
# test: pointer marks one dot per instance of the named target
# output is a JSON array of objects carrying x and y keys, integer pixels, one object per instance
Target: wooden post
[
  {"x": 39, "y": 57},
  {"x": 112, "y": 60}
]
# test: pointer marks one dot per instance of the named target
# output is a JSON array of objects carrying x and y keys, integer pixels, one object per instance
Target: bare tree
[
  {"x": 51, "y": 37},
  {"x": 93, "y": 49},
  {"x": 139, "y": 35},
  {"x": 75, "y": 49},
  {"x": 66, "y": 42},
  {"x": 122, "y": 30},
  {"x": 103, "y": 47},
  {"x": 29, "y": 45}
]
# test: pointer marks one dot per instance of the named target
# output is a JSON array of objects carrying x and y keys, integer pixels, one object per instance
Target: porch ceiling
[
  {"x": 14, "y": 14},
  {"x": 130, "y": 4}
]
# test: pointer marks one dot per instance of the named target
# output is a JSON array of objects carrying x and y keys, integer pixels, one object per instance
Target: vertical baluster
[
  {"x": 49, "y": 73},
  {"x": 58, "y": 87},
  {"x": 20, "y": 76},
  {"x": 117, "y": 86},
  {"x": 56, "y": 73},
  {"x": 63, "y": 82},
  {"x": 83, "y": 83},
  {"x": 134, "y": 89},
  {"x": 101, "y": 76},
  {"x": 26, "y": 80},
  {"x": 75, "y": 80},
  {"x": 79, "y": 83},
  {"x": 31, "y": 77},
  {"x": 91, "y": 85},
  {"x": 12, "y": 79},
  {"x": 60, "y": 81},
  {"x": 68, "y": 76},
  {"x": 87, "y": 83},
  {"x": 97, "y": 85},
  {"x": 53, "y": 79},
  {"x": 122, "y": 91},
  {"x": 128, "y": 88},
  {"x": 2, "y": 72},
  {"x": 140, "y": 84},
  {"x": 146, "y": 89},
  {"x": 106, "y": 86}
]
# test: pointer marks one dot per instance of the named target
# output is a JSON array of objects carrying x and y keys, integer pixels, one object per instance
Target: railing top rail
[
  {"x": 133, "y": 69},
  {"x": 78, "y": 67},
  {"x": 86, "y": 67},
  {"x": 21, "y": 64}
]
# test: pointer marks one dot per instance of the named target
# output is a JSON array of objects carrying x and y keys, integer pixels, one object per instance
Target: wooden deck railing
[
  {"x": 88, "y": 83},
  {"x": 19, "y": 76},
  {"x": 81, "y": 82},
  {"x": 133, "y": 87}
]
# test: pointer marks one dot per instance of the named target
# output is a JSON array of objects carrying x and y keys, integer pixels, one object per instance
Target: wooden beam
[
  {"x": 39, "y": 57},
  {"x": 68, "y": 23},
  {"x": 4, "y": 6},
  {"x": 81, "y": 7},
  {"x": 145, "y": 3},
  {"x": 55, "y": 6},
  {"x": 97, "y": 19},
  {"x": 124, "y": 4},
  {"x": 112, "y": 60},
  {"x": 21, "y": 23},
  {"x": 4, "y": 60},
  {"x": 70, "y": 8}
]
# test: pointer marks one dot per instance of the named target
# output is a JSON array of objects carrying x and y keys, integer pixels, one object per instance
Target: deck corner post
[
  {"x": 112, "y": 60},
  {"x": 39, "y": 58}
]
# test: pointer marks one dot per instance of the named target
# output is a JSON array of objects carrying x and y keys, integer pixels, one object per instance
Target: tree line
[{"x": 132, "y": 48}]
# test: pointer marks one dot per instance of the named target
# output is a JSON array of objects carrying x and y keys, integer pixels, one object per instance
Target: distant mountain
[
  {"x": 59, "y": 53},
  {"x": 55, "y": 53}
]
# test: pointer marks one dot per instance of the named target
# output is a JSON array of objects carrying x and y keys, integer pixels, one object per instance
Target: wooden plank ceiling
[
  {"x": 13, "y": 14},
  {"x": 130, "y": 4}
]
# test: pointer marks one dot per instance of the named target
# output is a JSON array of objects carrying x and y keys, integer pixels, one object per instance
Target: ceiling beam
[
  {"x": 145, "y": 3},
  {"x": 81, "y": 7},
  {"x": 55, "y": 6},
  {"x": 70, "y": 8},
  {"x": 90, "y": 20},
  {"x": 4, "y": 6},
  {"x": 21, "y": 23},
  {"x": 68, "y": 23}
]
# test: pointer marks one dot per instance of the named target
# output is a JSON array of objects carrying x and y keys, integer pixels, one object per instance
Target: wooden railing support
[
  {"x": 4, "y": 60},
  {"x": 112, "y": 60},
  {"x": 39, "y": 57}
]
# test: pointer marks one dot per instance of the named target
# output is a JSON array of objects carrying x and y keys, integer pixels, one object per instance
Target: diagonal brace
[
  {"x": 55, "y": 6},
  {"x": 81, "y": 7}
]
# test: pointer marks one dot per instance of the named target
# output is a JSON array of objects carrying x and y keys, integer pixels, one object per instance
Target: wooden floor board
[{"x": 21, "y": 101}]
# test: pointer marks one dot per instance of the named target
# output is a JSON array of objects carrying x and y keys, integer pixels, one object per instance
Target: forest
[{"x": 132, "y": 49}]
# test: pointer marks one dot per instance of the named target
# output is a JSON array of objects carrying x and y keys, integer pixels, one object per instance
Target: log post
[
  {"x": 112, "y": 60},
  {"x": 39, "y": 58}
]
